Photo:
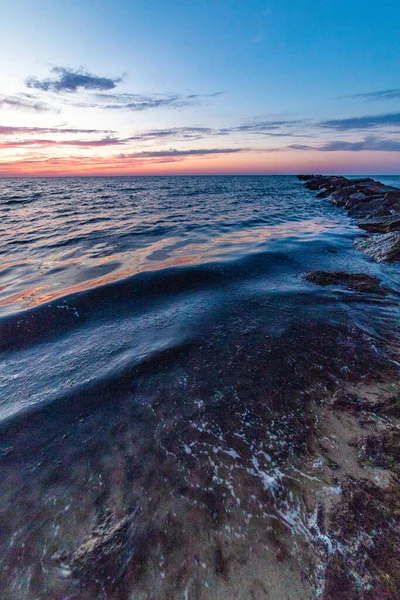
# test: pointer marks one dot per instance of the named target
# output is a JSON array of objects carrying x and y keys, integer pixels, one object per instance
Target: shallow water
[{"x": 158, "y": 347}]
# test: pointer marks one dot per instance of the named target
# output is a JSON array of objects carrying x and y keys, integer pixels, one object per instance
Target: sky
[{"x": 184, "y": 87}]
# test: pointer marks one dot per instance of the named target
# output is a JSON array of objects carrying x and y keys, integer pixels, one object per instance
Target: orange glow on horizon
[{"x": 242, "y": 163}]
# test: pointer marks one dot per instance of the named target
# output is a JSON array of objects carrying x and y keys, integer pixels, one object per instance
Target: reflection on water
[{"x": 70, "y": 235}]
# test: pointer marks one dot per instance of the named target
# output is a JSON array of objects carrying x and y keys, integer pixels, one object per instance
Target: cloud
[
  {"x": 179, "y": 133},
  {"x": 24, "y": 103},
  {"x": 365, "y": 122},
  {"x": 173, "y": 153},
  {"x": 268, "y": 126},
  {"x": 42, "y": 143},
  {"x": 300, "y": 147},
  {"x": 70, "y": 80},
  {"x": 142, "y": 102},
  {"x": 374, "y": 96},
  {"x": 370, "y": 143},
  {"x": 13, "y": 130}
]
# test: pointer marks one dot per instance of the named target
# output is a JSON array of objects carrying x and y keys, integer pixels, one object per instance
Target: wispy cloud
[
  {"x": 13, "y": 130},
  {"x": 268, "y": 127},
  {"x": 370, "y": 143},
  {"x": 72, "y": 80},
  {"x": 43, "y": 143},
  {"x": 263, "y": 128},
  {"x": 364, "y": 122},
  {"x": 142, "y": 102},
  {"x": 24, "y": 103},
  {"x": 374, "y": 96},
  {"x": 173, "y": 153}
]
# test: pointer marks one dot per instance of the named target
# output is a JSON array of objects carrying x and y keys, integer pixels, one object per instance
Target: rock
[
  {"x": 351, "y": 193},
  {"x": 305, "y": 177},
  {"x": 103, "y": 558},
  {"x": 360, "y": 282},
  {"x": 365, "y": 526},
  {"x": 380, "y": 247},
  {"x": 378, "y": 206},
  {"x": 372, "y": 208},
  {"x": 382, "y": 450},
  {"x": 382, "y": 225}
]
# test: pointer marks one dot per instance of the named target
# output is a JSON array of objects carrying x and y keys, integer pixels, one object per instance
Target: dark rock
[
  {"x": 365, "y": 563},
  {"x": 103, "y": 558},
  {"x": 359, "y": 282},
  {"x": 382, "y": 225},
  {"x": 380, "y": 247},
  {"x": 373, "y": 208},
  {"x": 382, "y": 450},
  {"x": 376, "y": 203},
  {"x": 356, "y": 404},
  {"x": 305, "y": 177},
  {"x": 378, "y": 206}
]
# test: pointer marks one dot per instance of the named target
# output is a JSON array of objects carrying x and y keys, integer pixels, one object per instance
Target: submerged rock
[
  {"x": 380, "y": 247},
  {"x": 360, "y": 282}
]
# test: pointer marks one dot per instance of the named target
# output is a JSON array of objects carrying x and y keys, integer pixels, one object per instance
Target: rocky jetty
[{"x": 378, "y": 206}]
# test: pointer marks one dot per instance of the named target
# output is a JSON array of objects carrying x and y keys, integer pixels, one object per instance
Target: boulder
[
  {"x": 374, "y": 208},
  {"x": 381, "y": 225},
  {"x": 381, "y": 247}
]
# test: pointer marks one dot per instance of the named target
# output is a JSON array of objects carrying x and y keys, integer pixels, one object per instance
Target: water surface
[{"x": 158, "y": 348}]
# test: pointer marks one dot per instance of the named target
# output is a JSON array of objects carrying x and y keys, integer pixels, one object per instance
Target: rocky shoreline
[
  {"x": 375, "y": 205},
  {"x": 363, "y": 528}
]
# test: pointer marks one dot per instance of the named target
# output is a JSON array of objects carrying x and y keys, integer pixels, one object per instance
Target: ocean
[{"x": 159, "y": 347}]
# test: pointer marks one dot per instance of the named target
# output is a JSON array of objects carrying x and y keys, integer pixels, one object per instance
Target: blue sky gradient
[{"x": 275, "y": 86}]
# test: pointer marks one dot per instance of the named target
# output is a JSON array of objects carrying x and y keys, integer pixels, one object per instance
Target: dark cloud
[
  {"x": 370, "y": 143},
  {"x": 300, "y": 147},
  {"x": 172, "y": 153},
  {"x": 365, "y": 122},
  {"x": 374, "y": 96},
  {"x": 24, "y": 103},
  {"x": 13, "y": 130},
  {"x": 70, "y": 80}
]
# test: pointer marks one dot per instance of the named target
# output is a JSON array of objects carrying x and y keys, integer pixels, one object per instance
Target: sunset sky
[{"x": 94, "y": 87}]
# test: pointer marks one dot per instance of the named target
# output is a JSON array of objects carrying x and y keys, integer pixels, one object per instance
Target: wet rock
[
  {"x": 389, "y": 205},
  {"x": 305, "y": 177},
  {"x": 380, "y": 247},
  {"x": 103, "y": 558},
  {"x": 365, "y": 527},
  {"x": 360, "y": 282},
  {"x": 382, "y": 450},
  {"x": 361, "y": 197},
  {"x": 373, "y": 208},
  {"x": 348, "y": 401},
  {"x": 354, "y": 403},
  {"x": 382, "y": 225}
]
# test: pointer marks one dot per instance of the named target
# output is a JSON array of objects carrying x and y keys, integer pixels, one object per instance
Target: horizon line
[{"x": 92, "y": 176}]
